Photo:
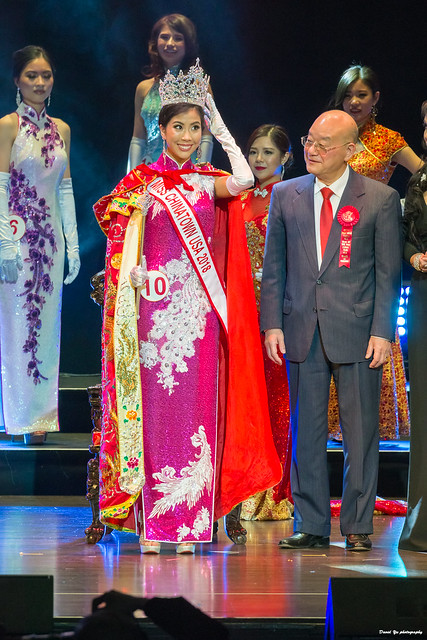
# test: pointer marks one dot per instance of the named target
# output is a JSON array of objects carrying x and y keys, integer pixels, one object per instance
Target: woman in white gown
[{"x": 37, "y": 223}]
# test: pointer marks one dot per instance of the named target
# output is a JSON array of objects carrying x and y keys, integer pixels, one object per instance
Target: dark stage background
[{"x": 269, "y": 61}]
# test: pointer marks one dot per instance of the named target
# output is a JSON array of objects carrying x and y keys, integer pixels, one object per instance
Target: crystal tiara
[{"x": 191, "y": 87}]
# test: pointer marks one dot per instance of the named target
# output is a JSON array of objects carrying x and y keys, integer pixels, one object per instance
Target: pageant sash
[
  {"x": 187, "y": 226},
  {"x": 127, "y": 369}
]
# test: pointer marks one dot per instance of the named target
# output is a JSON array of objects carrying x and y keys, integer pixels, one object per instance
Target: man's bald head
[
  {"x": 341, "y": 122},
  {"x": 331, "y": 143}
]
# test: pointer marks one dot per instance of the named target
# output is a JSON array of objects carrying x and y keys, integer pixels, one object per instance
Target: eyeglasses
[{"x": 319, "y": 148}]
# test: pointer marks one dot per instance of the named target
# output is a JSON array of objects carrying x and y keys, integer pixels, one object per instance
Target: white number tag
[
  {"x": 156, "y": 287},
  {"x": 18, "y": 226}
]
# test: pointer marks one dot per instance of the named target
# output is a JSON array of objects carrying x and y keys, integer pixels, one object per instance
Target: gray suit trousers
[{"x": 358, "y": 389}]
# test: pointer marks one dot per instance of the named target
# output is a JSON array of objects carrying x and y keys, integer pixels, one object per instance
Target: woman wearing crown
[{"x": 186, "y": 434}]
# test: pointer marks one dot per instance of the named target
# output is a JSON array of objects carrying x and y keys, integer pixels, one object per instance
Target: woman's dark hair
[
  {"x": 350, "y": 75},
  {"x": 280, "y": 138},
  {"x": 417, "y": 186},
  {"x": 185, "y": 27},
  {"x": 423, "y": 117},
  {"x": 24, "y": 56},
  {"x": 169, "y": 111}
]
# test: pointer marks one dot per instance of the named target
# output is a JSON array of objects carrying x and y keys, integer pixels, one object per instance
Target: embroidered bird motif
[{"x": 190, "y": 484}]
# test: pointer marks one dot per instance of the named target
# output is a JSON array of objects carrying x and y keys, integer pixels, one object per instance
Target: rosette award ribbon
[{"x": 347, "y": 217}]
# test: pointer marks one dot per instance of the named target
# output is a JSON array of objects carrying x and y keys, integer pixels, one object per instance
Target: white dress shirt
[{"x": 338, "y": 189}]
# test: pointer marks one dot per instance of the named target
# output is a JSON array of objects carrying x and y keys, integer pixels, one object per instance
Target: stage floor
[{"x": 46, "y": 536}]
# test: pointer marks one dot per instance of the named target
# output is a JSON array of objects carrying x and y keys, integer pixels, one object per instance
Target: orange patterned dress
[
  {"x": 275, "y": 503},
  {"x": 375, "y": 160}
]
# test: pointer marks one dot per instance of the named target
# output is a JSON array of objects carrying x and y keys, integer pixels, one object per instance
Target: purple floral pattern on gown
[
  {"x": 51, "y": 137},
  {"x": 23, "y": 201}
]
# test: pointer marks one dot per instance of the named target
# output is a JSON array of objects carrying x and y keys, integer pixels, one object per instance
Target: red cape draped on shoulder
[{"x": 247, "y": 461}]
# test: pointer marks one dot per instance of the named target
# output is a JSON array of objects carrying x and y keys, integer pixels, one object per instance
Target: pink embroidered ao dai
[
  {"x": 30, "y": 309},
  {"x": 178, "y": 342}
]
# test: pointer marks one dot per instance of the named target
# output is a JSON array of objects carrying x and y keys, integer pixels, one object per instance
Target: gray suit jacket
[{"x": 350, "y": 304}]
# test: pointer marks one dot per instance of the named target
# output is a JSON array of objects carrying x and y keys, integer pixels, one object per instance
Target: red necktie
[{"x": 326, "y": 217}]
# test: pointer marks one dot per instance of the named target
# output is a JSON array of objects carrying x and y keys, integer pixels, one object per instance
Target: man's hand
[
  {"x": 274, "y": 338},
  {"x": 379, "y": 349}
]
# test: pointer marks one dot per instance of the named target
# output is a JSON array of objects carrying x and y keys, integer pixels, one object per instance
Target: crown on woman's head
[{"x": 191, "y": 87}]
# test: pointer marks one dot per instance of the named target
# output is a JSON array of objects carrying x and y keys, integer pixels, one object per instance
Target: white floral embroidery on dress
[
  {"x": 182, "y": 532},
  {"x": 179, "y": 325},
  {"x": 193, "y": 480},
  {"x": 201, "y": 522}
]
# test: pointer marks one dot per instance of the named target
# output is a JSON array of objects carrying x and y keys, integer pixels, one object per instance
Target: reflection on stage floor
[{"x": 46, "y": 536}]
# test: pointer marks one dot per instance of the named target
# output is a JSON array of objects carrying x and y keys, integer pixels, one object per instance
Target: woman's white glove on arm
[
  {"x": 139, "y": 274},
  {"x": 10, "y": 260},
  {"x": 206, "y": 148},
  {"x": 137, "y": 153},
  {"x": 69, "y": 225},
  {"x": 242, "y": 177}
]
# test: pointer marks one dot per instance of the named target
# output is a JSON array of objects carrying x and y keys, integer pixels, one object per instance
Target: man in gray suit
[{"x": 329, "y": 300}]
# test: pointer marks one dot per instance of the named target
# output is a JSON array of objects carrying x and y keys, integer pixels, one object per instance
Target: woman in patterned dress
[
  {"x": 168, "y": 465},
  {"x": 269, "y": 154},
  {"x": 37, "y": 224},
  {"x": 378, "y": 152},
  {"x": 172, "y": 45}
]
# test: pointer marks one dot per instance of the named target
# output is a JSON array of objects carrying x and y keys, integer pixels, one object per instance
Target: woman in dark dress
[{"x": 414, "y": 533}]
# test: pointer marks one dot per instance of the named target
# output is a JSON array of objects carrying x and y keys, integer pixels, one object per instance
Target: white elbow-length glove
[
  {"x": 139, "y": 274},
  {"x": 69, "y": 226},
  {"x": 206, "y": 148},
  {"x": 242, "y": 177},
  {"x": 10, "y": 259},
  {"x": 137, "y": 153}
]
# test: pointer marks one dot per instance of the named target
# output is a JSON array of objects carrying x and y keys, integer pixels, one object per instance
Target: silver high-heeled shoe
[
  {"x": 186, "y": 547},
  {"x": 38, "y": 437},
  {"x": 149, "y": 546}
]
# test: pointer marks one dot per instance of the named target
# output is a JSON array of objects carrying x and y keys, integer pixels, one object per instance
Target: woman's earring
[
  {"x": 374, "y": 111},
  {"x": 198, "y": 154},
  {"x": 164, "y": 148},
  {"x": 18, "y": 97},
  {"x": 48, "y": 100}
]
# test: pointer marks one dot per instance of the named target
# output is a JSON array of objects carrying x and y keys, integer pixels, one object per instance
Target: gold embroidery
[
  {"x": 133, "y": 200},
  {"x": 119, "y": 205},
  {"x": 126, "y": 360},
  {"x": 116, "y": 260},
  {"x": 256, "y": 243},
  {"x": 109, "y": 337},
  {"x": 111, "y": 295}
]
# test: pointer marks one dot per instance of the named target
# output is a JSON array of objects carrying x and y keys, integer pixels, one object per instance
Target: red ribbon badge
[{"x": 347, "y": 217}]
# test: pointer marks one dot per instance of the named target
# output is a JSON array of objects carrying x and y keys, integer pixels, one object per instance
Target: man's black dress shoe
[
  {"x": 301, "y": 540},
  {"x": 358, "y": 542}
]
